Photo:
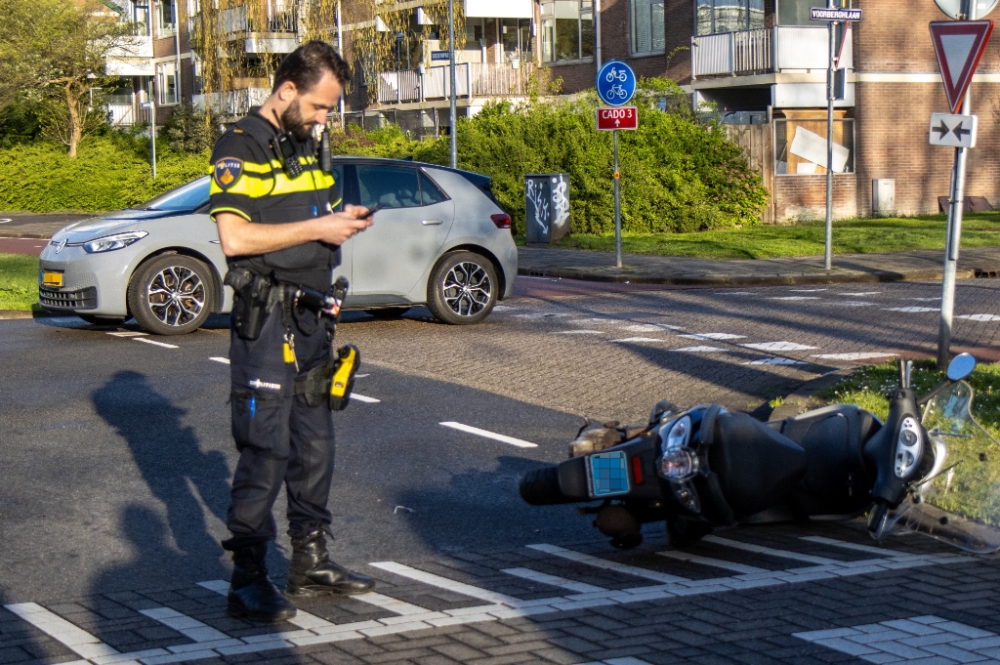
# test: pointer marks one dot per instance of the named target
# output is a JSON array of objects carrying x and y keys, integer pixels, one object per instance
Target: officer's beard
[{"x": 294, "y": 124}]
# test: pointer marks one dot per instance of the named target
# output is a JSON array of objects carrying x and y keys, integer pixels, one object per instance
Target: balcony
[
  {"x": 277, "y": 32},
  {"x": 472, "y": 80},
  {"x": 800, "y": 49},
  {"x": 132, "y": 57},
  {"x": 232, "y": 103}
]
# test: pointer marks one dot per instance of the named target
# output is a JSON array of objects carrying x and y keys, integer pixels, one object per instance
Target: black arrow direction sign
[
  {"x": 960, "y": 132},
  {"x": 943, "y": 130}
]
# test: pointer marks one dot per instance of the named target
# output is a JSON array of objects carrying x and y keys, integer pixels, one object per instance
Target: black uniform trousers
[{"x": 281, "y": 439}]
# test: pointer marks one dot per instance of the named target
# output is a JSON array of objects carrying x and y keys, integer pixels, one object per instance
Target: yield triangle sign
[{"x": 959, "y": 45}]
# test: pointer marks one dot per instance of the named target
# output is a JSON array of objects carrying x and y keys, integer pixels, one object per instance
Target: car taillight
[{"x": 502, "y": 221}]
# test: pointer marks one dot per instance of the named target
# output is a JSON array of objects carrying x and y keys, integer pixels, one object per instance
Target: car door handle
[{"x": 432, "y": 222}]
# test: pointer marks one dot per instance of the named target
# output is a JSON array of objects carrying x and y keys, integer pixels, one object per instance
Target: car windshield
[{"x": 185, "y": 198}]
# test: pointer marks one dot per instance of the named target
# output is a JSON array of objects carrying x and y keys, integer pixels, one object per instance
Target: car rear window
[
  {"x": 185, "y": 198},
  {"x": 429, "y": 192}
]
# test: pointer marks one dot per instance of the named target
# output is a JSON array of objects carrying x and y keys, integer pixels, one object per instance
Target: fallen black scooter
[{"x": 936, "y": 471}]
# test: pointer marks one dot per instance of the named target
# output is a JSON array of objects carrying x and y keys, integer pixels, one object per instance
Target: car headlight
[{"x": 113, "y": 242}]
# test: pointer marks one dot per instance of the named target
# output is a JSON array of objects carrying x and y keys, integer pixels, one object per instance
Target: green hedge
[
  {"x": 680, "y": 172},
  {"x": 111, "y": 172}
]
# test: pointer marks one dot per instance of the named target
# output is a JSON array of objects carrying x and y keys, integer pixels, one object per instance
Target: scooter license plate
[{"x": 607, "y": 474}]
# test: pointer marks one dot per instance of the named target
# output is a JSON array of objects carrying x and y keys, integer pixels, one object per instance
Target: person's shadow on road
[{"x": 178, "y": 473}]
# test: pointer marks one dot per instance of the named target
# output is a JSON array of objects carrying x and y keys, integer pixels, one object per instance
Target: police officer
[{"x": 273, "y": 203}]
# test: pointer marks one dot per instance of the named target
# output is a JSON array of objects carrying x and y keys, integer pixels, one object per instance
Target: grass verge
[
  {"x": 868, "y": 388},
  {"x": 856, "y": 236},
  {"x": 19, "y": 282}
]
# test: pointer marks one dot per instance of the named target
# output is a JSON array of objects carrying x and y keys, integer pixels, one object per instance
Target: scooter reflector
[{"x": 607, "y": 474}]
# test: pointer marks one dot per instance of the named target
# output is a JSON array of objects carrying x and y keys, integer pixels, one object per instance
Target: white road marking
[
  {"x": 979, "y": 317},
  {"x": 542, "y": 315},
  {"x": 806, "y": 290},
  {"x": 503, "y": 308},
  {"x": 194, "y": 630},
  {"x": 701, "y": 349},
  {"x": 651, "y": 327},
  {"x": 924, "y": 299},
  {"x": 783, "y": 554},
  {"x": 128, "y": 333},
  {"x": 713, "y": 336},
  {"x": 775, "y": 361},
  {"x": 796, "y": 298},
  {"x": 554, "y": 580},
  {"x": 220, "y": 359},
  {"x": 152, "y": 341},
  {"x": 924, "y": 638},
  {"x": 862, "y": 293},
  {"x": 365, "y": 398},
  {"x": 391, "y": 604},
  {"x": 578, "y": 332},
  {"x": 626, "y": 340},
  {"x": 868, "y": 549},
  {"x": 503, "y": 438},
  {"x": 73, "y": 637},
  {"x": 778, "y": 346},
  {"x": 714, "y": 563},
  {"x": 851, "y": 303},
  {"x": 734, "y": 293},
  {"x": 595, "y": 320},
  {"x": 864, "y": 355},
  {"x": 598, "y": 562},
  {"x": 445, "y": 583},
  {"x": 911, "y": 310},
  {"x": 361, "y": 376}
]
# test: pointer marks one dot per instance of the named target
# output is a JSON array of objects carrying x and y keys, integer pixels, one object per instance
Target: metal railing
[
  {"x": 471, "y": 80},
  {"x": 782, "y": 48},
  {"x": 283, "y": 18},
  {"x": 232, "y": 103},
  {"x": 126, "y": 115}
]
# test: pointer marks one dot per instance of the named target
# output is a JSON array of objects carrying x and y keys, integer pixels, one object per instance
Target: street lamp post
[{"x": 454, "y": 101}]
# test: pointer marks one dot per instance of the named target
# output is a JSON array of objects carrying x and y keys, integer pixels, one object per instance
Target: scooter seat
[{"x": 754, "y": 464}]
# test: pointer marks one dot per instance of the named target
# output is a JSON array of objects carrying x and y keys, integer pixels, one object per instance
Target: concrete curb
[
  {"x": 19, "y": 234},
  {"x": 795, "y": 403},
  {"x": 834, "y": 277},
  {"x": 15, "y": 314}
]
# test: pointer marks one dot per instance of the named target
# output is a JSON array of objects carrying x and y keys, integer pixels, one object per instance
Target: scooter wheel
[{"x": 684, "y": 533}]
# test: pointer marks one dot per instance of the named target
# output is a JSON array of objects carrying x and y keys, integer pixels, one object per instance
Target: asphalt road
[{"x": 116, "y": 458}]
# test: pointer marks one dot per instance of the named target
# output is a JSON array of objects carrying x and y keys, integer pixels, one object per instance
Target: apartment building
[{"x": 761, "y": 63}]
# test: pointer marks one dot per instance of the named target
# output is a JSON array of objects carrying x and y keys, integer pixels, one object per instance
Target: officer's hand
[
  {"x": 359, "y": 212},
  {"x": 338, "y": 227}
]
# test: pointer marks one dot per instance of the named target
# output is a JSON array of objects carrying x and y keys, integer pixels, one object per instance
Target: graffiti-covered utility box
[{"x": 546, "y": 207}]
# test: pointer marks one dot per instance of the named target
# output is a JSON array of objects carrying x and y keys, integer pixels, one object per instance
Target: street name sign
[
  {"x": 953, "y": 8},
  {"x": 959, "y": 45},
  {"x": 615, "y": 83},
  {"x": 622, "y": 117},
  {"x": 828, "y": 14},
  {"x": 437, "y": 56},
  {"x": 954, "y": 131}
]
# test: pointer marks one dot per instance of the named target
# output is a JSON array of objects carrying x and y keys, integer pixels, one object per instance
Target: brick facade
[{"x": 802, "y": 198}]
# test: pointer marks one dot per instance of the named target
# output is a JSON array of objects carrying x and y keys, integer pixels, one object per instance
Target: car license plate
[{"x": 52, "y": 278}]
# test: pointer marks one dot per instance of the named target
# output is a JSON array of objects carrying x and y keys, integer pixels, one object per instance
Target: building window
[
  {"x": 716, "y": 16},
  {"x": 165, "y": 18},
  {"x": 166, "y": 81},
  {"x": 647, "y": 27},
  {"x": 140, "y": 18},
  {"x": 567, "y": 30}
]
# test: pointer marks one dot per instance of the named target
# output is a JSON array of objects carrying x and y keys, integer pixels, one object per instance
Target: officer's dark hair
[{"x": 306, "y": 65}]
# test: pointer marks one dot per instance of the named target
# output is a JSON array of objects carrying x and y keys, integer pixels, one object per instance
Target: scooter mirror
[{"x": 961, "y": 366}]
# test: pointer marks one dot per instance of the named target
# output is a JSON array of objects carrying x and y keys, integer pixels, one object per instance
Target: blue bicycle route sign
[{"x": 615, "y": 83}]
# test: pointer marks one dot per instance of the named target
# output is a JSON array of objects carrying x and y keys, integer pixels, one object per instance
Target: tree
[{"x": 55, "y": 51}]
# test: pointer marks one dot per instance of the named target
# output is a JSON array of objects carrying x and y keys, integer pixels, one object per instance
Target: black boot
[
  {"x": 251, "y": 594},
  {"x": 312, "y": 573}
]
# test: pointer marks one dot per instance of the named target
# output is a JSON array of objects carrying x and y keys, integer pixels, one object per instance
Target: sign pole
[
  {"x": 956, "y": 206},
  {"x": 828, "y": 253},
  {"x": 454, "y": 101},
  {"x": 618, "y": 203}
]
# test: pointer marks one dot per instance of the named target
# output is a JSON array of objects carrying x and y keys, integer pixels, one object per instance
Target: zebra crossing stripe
[
  {"x": 302, "y": 619},
  {"x": 444, "y": 583},
  {"x": 73, "y": 637},
  {"x": 194, "y": 630},
  {"x": 714, "y": 563},
  {"x": 561, "y": 582},
  {"x": 598, "y": 562},
  {"x": 781, "y": 554},
  {"x": 854, "y": 546}
]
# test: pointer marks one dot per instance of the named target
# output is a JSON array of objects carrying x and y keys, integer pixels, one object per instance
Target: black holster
[
  {"x": 253, "y": 292},
  {"x": 319, "y": 385}
]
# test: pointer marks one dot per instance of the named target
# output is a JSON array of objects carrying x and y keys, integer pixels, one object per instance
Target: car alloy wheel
[
  {"x": 171, "y": 295},
  {"x": 463, "y": 288}
]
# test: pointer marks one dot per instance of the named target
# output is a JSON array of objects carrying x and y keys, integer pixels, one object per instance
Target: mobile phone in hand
[{"x": 371, "y": 211}]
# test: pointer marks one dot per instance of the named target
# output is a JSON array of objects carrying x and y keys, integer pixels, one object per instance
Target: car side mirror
[{"x": 961, "y": 366}]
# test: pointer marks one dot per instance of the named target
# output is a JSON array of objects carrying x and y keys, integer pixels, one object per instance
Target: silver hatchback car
[{"x": 440, "y": 239}]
